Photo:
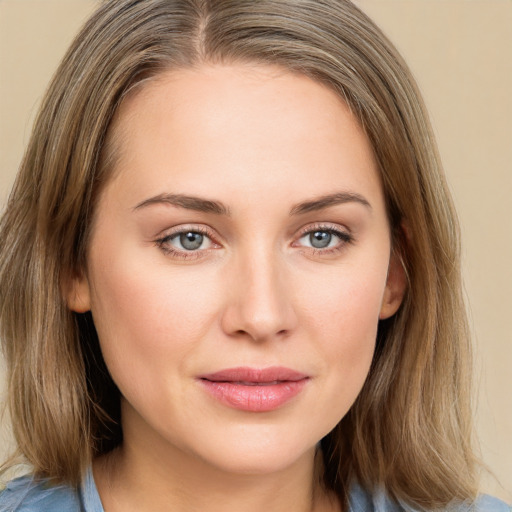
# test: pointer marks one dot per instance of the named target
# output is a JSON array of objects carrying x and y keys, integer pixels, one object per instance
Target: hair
[{"x": 410, "y": 429}]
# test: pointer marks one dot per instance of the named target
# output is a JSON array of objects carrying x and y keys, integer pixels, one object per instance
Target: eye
[
  {"x": 190, "y": 241},
  {"x": 186, "y": 242},
  {"x": 320, "y": 239},
  {"x": 324, "y": 238}
]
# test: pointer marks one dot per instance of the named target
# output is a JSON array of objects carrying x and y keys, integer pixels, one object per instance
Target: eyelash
[
  {"x": 164, "y": 242},
  {"x": 345, "y": 238}
]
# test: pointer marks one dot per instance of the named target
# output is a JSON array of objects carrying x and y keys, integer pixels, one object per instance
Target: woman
[{"x": 230, "y": 273}]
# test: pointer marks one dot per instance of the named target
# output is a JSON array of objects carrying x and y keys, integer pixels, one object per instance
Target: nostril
[
  {"x": 261, "y": 311},
  {"x": 259, "y": 336}
]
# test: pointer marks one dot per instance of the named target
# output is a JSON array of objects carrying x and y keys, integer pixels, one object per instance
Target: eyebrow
[
  {"x": 326, "y": 201},
  {"x": 187, "y": 202},
  {"x": 216, "y": 207}
]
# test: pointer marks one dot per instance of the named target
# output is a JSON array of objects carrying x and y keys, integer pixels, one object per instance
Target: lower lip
[{"x": 254, "y": 398}]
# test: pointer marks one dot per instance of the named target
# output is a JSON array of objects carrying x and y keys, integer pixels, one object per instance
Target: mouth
[{"x": 254, "y": 390}]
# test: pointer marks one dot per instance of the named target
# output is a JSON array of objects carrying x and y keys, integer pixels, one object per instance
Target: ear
[
  {"x": 77, "y": 294},
  {"x": 396, "y": 285}
]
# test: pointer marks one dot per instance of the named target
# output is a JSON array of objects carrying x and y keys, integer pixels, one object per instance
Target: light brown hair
[{"x": 410, "y": 429}]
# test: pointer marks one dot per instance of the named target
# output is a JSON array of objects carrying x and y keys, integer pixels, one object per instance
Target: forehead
[{"x": 245, "y": 125}]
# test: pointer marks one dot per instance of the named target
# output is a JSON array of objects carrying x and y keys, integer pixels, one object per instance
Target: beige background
[{"x": 461, "y": 54}]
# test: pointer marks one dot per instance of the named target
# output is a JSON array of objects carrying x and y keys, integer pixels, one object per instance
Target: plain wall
[{"x": 461, "y": 53}]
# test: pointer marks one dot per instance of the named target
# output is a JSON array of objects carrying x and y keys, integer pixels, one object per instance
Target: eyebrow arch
[
  {"x": 329, "y": 200},
  {"x": 188, "y": 202}
]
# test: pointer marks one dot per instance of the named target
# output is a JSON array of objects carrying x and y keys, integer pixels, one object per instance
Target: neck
[{"x": 144, "y": 476}]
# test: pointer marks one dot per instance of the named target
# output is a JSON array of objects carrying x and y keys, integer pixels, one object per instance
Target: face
[{"x": 238, "y": 265}]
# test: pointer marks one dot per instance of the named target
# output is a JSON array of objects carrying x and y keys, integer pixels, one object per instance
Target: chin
[{"x": 257, "y": 453}]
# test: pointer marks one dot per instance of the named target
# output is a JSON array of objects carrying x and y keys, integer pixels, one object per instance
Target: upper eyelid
[
  {"x": 184, "y": 228},
  {"x": 325, "y": 226}
]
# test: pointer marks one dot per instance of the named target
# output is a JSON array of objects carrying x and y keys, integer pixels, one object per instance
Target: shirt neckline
[{"x": 90, "y": 497}]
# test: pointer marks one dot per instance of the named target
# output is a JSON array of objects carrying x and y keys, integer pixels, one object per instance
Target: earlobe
[
  {"x": 396, "y": 285},
  {"x": 77, "y": 294}
]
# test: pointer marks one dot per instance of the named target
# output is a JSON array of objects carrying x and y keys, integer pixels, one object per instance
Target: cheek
[
  {"x": 351, "y": 339},
  {"x": 342, "y": 313},
  {"x": 146, "y": 311},
  {"x": 345, "y": 302}
]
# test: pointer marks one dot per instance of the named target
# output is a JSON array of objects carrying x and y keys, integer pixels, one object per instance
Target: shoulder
[
  {"x": 27, "y": 494},
  {"x": 379, "y": 501},
  {"x": 487, "y": 503}
]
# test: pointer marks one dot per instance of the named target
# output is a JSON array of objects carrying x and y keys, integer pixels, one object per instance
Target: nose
[{"x": 260, "y": 305}]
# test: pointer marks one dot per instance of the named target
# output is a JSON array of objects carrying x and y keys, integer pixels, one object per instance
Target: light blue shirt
[{"x": 25, "y": 495}]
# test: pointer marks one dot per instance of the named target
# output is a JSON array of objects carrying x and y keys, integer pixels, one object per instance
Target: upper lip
[{"x": 255, "y": 375}]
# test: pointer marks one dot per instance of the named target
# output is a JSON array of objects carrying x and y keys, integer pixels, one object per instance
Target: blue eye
[
  {"x": 324, "y": 239},
  {"x": 320, "y": 239},
  {"x": 189, "y": 241}
]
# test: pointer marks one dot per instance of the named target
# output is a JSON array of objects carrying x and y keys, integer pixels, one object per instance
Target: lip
[{"x": 254, "y": 389}]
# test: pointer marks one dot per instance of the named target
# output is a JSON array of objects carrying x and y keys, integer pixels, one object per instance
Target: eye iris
[
  {"x": 191, "y": 241},
  {"x": 320, "y": 239}
]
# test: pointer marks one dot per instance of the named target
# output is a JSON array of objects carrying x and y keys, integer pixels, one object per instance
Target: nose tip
[
  {"x": 260, "y": 325},
  {"x": 260, "y": 306}
]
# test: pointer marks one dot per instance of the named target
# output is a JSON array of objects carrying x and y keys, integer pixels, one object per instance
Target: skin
[{"x": 260, "y": 141}]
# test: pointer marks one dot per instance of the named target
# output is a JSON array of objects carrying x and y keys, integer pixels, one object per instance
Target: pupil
[
  {"x": 191, "y": 241},
  {"x": 320, "y": 239}
]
